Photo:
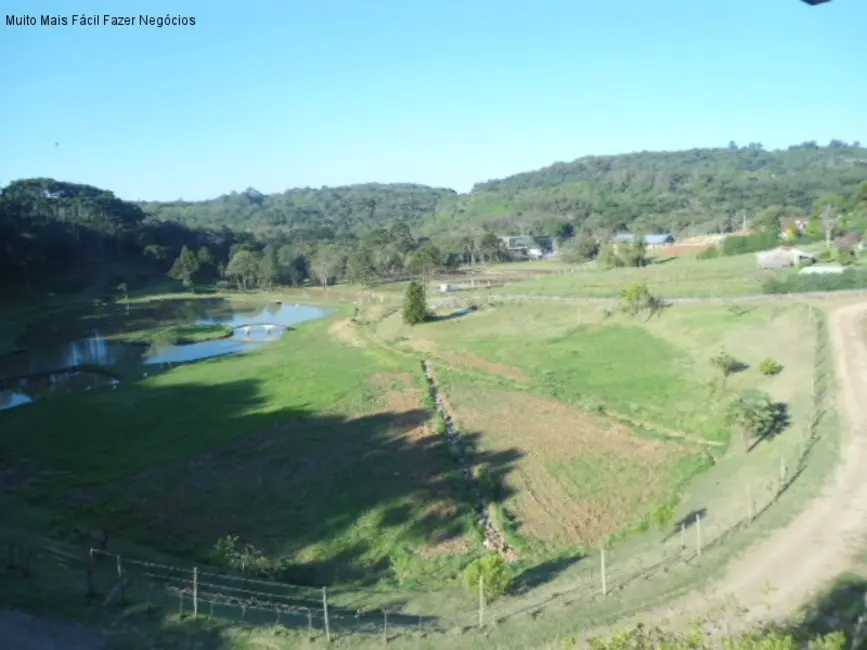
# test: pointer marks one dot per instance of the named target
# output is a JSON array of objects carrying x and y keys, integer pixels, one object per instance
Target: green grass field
[
  {"x": 175, "y": 460},
  {"x": 320, "y": 451},
  {"x": 679, "y": 277}
]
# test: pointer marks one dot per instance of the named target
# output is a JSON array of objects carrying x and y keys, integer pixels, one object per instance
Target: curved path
[{"x": 781, "y": 573}]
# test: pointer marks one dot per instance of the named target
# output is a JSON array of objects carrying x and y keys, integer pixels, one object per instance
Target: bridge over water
[{"x": 247, "y": 328}]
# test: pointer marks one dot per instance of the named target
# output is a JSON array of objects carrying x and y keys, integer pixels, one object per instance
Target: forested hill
[
  {"x": 324, "y": 213},
  {"x": 688, "y": 192}
]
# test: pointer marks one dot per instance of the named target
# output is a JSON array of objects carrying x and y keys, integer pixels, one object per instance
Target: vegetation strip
[{"x": 494, "y": 539}]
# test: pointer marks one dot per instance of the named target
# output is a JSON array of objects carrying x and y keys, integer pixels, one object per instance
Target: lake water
[{"x": 41, "y": 369}]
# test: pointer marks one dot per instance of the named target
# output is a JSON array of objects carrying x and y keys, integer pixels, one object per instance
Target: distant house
[
  {"x": 792, "y": 223},
  {"x": 850, "y": 240},
  {"x": 780, "y": 258},
  {"x": 651, "y": 241},
  {"x": 532, "y": 246}
]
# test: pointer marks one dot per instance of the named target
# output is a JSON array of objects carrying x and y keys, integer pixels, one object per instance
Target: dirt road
[{"x": 780, "y": 574}]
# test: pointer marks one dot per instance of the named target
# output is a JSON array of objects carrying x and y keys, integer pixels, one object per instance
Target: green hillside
[{"x": 692, "y": 191}]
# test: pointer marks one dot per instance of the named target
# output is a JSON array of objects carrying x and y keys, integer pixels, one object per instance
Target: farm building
[
  {"x": 651, "y": 241},
  {"x": 779, "y": 258},
  {"x": 850, "y": 240}
]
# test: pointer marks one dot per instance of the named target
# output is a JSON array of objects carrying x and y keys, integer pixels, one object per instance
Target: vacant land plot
[
  {"x": 657, "y": 371},
  {"x": 581, "y": 477},
  {"x": 683, "y": 277},
  {"x": 317, "y": 453}
]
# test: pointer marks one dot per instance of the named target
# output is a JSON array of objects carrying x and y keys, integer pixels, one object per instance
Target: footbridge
[{"x": 247, "y": 328}]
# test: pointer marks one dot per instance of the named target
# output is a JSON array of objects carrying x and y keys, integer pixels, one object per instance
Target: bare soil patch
[
  {"x": 477, "y": 363},
  {"x": 582, "y": 476}
]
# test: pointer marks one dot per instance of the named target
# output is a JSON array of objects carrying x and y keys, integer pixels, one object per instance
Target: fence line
[{"x": 192, "y": 591}]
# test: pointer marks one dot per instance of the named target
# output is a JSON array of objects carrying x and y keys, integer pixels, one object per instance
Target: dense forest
[
  {"x": 685, "y": 192},
  {"x": 58, "y": 236}
]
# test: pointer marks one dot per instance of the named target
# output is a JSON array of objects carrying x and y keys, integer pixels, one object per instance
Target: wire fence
[{"x": 325, "y": 613}]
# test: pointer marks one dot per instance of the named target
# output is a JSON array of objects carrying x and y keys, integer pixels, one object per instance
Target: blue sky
[{"x": 276, "y": 94}]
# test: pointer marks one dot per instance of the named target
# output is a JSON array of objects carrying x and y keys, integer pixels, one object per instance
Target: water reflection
[
  {"x": 9, "y": 399},
  {"x": 39, "y": 371}
]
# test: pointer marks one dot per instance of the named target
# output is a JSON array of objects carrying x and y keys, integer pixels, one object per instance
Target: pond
[{"x": 63, "y": 366}]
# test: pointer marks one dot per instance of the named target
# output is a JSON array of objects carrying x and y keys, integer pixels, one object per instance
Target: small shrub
[
  {"x": 492, "y": 572},
  {"x": 770, "y": 367},
  {"x": 662, "y": 516}
]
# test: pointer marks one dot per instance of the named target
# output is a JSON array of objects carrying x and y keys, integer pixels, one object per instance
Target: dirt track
[
  {"x": 780, "y": 574},
  {"x": 772, "y": 580}
]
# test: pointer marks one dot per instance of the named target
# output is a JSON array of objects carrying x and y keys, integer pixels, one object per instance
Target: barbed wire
[{"x": 211, "y": 589}]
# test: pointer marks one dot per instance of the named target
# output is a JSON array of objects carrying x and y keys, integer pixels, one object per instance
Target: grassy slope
[
  {"x": 656, "y": 372},
  {"x": 680, "y": 277},
  {"x": 322, "y": 413}
]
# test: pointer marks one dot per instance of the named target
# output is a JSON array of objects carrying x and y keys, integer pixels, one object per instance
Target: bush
[
  {"x": 742, "y": 244},
  {"x": 798, "y": 283},
  {"x": 770, "y": 367},
  {"x": 492, "y": 570},
  {"x": 709, "y": 253}
]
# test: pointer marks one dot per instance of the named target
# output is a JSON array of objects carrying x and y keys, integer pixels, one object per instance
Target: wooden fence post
[
  {"x": 120, "y": 579},
  {"x": 481, "y": 602},
  {"x": 325, "y": 614},
  {"x": 604, "y": 577},
  {"x": 384, "y": 626},
  {"x": 752, "y": 505},
  {"x": 195, "y": 592}
]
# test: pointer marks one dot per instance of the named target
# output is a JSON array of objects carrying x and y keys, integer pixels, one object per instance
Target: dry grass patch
[
  {"x": 430, "y": 348},
  {"x": 582, "y": 477},
  {"x": 346, "y": 332}
]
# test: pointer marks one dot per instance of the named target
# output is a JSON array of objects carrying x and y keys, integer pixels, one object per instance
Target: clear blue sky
[{"x": 276, "y": 94}]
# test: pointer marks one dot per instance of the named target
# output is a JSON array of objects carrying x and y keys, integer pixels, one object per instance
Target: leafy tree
[
  {"x": 814, "y": 229},
  {"x": 754, "y": 414},
  {"x": 414, "y": 305},
  {"x": 637, "y": 298},
  {"x": 185, "y": 267},
  {"x": 269, "y": 270},
  {"x": 579, "y": 249},
  {"x": 327, "y": 263},
  {"x": 491, "y": 573},
  {"x": 726, "y": 364},
  {"x": 243, "y": 268}
]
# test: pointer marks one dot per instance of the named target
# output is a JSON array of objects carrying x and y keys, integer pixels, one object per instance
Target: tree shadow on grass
[
  {"x": 686, "y": 522},
  {"x": 782, "y": 420},
  {"x": 837, "y": 609},
  {"x": 458, "y": 313},
  {"x": 540, "y": 574},
  {"x": 178, "y": 468}
]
